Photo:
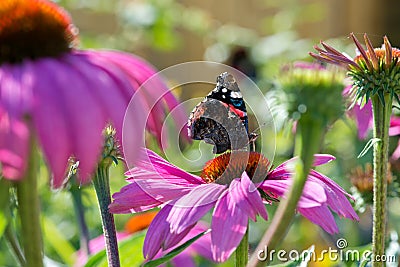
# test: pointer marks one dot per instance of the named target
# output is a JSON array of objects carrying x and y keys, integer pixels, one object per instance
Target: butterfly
[{"x": 221, "y": 118}]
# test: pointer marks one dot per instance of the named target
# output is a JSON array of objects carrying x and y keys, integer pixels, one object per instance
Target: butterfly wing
[
  {"x": 221, "y": 118},
  {"x": 228, "y": 92}
]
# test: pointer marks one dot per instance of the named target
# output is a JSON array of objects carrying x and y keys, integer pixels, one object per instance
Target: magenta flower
[
  {"x": 229, "y": 189},
  {"x": 64, "y": 97},
  {"x": 362, "y": 115}
]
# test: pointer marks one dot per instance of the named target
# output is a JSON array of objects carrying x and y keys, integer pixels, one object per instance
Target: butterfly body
[{"x": 221, "y": 118}]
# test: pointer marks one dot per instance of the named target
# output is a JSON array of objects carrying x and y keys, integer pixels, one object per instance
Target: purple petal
[
  {"x": 308, "y": 65},
  {"x": 143, "y": 195},
  {"x": 159, "y": 235},
  {"x": 107, "y": 76},
  {"x": 162, "y": 169},
  {"x": 247, "y": 198},
  {"x": 364, "y": 119},
  {"x": 201, "y": 246},
  {"x": 140, "y": 70},
  {"x": 394, "y": 126},
  {"x": 133, "y": 113},
  {"x": 336, "y": 196},
  {"x": 362, "y": 51},
  {"x": 82, "y": 110},
  {"x": 191, "y": 207},
  {"x": 313, "y": 194},
  {"x": 284, "y": 170},
  {"x": 14, "y": 146},
  {"x": 183, "y": 259},
  {"x": 174, "y": 239},
  {"x": 134, "y": 73},
  {"x": 16, "y": 89},
  {"x": 321, "y": 216},
  {"x": 321, "y": 159},
  {"x": 15, "y": 102},
  {"x": 396, "y": 153},
  {"x": 156, "y": 234},
  {"x": 50, "y": 118},
  {"x": 229, "y": 223}
]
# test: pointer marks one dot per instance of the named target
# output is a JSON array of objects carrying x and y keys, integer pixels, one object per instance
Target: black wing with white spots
[{"x": 221, "y": 118}]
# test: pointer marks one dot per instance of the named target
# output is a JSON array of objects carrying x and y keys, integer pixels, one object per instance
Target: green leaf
[
  {"x": 174, "y": 252},
  {"x": 4, "y": 204},
  {"x": 130, "y": 252},
  {"x": 396, "y": 96},
  {"x": 3, "y": 222},
  {"x": 96, "y": 259},
  {"x": 59, "y": 243},
  {"x": 368, "y": 146},
  {"x": 381, "y": 97}
]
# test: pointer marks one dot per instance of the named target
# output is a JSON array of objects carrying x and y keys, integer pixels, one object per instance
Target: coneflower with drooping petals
[
  {"x": 375, "y": 73},
  {"x": 65, "y": 96}
]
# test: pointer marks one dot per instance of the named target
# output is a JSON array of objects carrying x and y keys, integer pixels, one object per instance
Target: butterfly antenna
[
  {"x": 258, "y": 128},
  {"x": 253, "y": 137}
]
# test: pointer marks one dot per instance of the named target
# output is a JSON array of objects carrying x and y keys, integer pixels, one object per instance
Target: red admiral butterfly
[{"x": 221, "y": 118}]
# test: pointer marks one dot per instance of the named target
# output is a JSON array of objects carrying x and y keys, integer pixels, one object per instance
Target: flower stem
[
  {"x": 309, "y": 137},
  {"x": 382, "y": 113},
  {"x": 29, "y": 212},
  {"x": 14, "y": 245},
  {"x": 102, "y": 187},
  {"x": 242, "y": 251},
  {"x": 76, "y": 193}
]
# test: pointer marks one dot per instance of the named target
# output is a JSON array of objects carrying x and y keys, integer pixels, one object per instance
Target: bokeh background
[{"x": 254, "y": 36}]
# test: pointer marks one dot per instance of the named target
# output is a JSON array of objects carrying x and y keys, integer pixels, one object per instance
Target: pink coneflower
[
  {"x": 362, "y": 114},
  {"x": 375, "y": 74},
  {"x": 230, "y": 190},
  {"x": 64, "y": 96}
]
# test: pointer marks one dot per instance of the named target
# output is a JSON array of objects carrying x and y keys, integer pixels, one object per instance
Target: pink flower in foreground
[
  {"x": 229, "y": 189},
  {"x": 64, "y": 96}
]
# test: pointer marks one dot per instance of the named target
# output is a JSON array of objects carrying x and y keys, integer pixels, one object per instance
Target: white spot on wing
[
  {"x": 236, "y": 94},
  {"x": 224, "y": 90}
]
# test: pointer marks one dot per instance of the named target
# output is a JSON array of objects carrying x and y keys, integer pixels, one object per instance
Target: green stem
[
  {"x": 76, "y": 193},
  {"x": 14, "y": 245},
  {"x": 242, "y": 251},
  {"x": 382, "y": 113},
  {"x": 29, "y": 213},
  {"x": 102, "y": 187},
  {"x": 309, "y": 137}
]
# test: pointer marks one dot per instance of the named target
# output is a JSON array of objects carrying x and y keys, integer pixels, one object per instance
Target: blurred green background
[{"x": 255, "y": 36}]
